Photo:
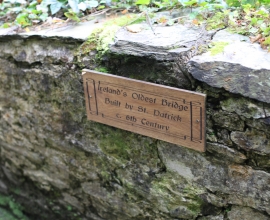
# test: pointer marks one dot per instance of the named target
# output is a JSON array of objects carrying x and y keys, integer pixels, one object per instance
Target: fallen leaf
[
  {"x": 261, "y": 41},
  {"x": 124, "y": 11},
  {"x": 255, "y": 39},
  {"x": 27, "y": 29},
  {"x": 195, "y": 22},
  {"x": 162, "y": 20},
  {"x": 57, "y": 20},
  {"x": 134, "y": 28}
]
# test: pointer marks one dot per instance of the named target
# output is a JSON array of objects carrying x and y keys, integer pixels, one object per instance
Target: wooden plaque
[{"x": 170, "y": 114}]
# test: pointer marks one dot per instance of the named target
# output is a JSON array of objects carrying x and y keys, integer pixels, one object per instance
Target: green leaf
[
  {"x": 32, "y": 16},
  {"x": 42, "y": 7},
  {"x": 5, "y": 25},
  {"x": 267, "y": 41},
  {"x": 193, "y": 15},
  {"x": 254, "y": 20},
  {"x": 101, "y": 7},
  {"x": 157, "y": 4},
  {"x": 33, "y": 4},
  {"x": 203, "y": 4},
  {"x": 16, "y": 9},
  {"x": 253, "y": 30},
  {"x": 22, "y": 15},
  {"x": 72, "y": 15},
  {"x": 43, "y": 16},
  {"x": 263, "y": 25},
  {"x": 55, "y": 7},
  {"x": 49, "y": 2},
  {"x": 74, "y": 4},
  {"x": 190, "y": 3},
  {"x": 82, "y": 6},
  {"x": 170, "y": 22},
  {"x": 143, "y": 2},
  {"x": 266, "y": 31},
  {"x": 91, "y": 4},
  {"x": 35, "y": 12},
  {"x": 22, "y": 19}
]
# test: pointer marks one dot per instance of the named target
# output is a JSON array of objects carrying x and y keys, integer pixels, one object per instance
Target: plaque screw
[{"x": 197, "y": 120}]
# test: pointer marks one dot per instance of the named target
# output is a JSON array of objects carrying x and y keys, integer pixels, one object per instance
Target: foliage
[
  {"x": 15, "y": 208},
  {"x": 237, "y": 3},
  {"x": 72, "y": 15},
  {"x": 31, "y": 12},
  {"x": 246, "y": 21},
  {"x": 248, "y": 17}
]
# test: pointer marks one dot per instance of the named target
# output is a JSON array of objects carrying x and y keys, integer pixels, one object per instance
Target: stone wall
[{"x": 58, "y": 165}]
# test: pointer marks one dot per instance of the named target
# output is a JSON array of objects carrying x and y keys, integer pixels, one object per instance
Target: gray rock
[
  {"x": 34, "y": 51},
  {"x": 231, "y": 121},
  {"x": 167, "y": 44},
  {"x": 79, "y": 31},
  {"x": 212, "y": 217},
  {"x": 242, "y": 68},
  {"x": 226, "y": 152},
  {"x": 246, "y": 108},
  {"x": 9, "y": 31},
  {"x": 45, "y": 180},
  {"x": 239, "y": 184},
  {"x": 260, "y": 124},
  {"x": 109, "y": 203},
  {"x": 224, "y": 137},
  {"x": 239, "y": 213},
  {"x": 3, "y": 187},
  {"x": 73, "y": 201},
  {"x": 181, "y": 212},
  {"x": 252, "y": 140}
]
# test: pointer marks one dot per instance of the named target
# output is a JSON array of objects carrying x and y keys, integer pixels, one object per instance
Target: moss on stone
[
  {"x": 173, "y": 193},
  {"x": 125, "y": 20},
  {"x": 218, "y": 47},
  {"x": 125, "y": 145},
  {"x": 115, "y": 144},
  {"x": 102, "y": 37},
  {"x": 16, "y": 209},
  {"x": 102, "y": 69}
]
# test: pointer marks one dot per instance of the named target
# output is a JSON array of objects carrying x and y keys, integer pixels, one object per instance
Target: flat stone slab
[
  {"x": 79, "y": 31},
  {"x": 162, "y": 44},
  {"x": 242, "y": 68}
]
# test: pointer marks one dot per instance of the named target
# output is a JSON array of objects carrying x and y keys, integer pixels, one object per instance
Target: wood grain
[{"x": 166, "y": 113}]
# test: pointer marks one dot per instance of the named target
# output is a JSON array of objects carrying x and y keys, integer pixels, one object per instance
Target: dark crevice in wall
[
  {"x": 22, "y": 64},
  {"x": 162, "y": 166}
]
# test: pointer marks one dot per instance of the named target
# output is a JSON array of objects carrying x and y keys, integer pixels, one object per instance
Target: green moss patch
[
  {"x": 125, "y": 145},
  {"x": 15, "y": 208},
  {"x": 173, "y": 193},
  {"x": 218, "y": 47},
  {"x": 101, "y": 37}
]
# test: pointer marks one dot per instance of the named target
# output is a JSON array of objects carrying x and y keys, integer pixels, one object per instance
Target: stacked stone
[{"x": 58, "y": 165}]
